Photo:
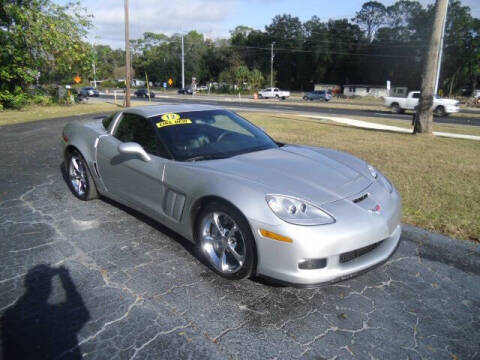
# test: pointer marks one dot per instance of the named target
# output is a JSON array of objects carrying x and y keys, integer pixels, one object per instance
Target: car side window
[
  {"x": 416, "y": 96},
  {"x": 108, "y": 120},
  {"x": 135, "y": 128}
]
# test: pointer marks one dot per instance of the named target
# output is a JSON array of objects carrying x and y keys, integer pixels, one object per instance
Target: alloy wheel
[{"x": 222, "y": 242}]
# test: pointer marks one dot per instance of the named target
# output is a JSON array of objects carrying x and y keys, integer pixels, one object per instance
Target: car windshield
[{"x": 210, "y": 134}]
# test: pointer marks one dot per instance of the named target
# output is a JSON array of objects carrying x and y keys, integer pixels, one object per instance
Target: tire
[
  {"x": 396, "y": 108},
  {"x": 305, "y": 98},
  {"x": 79, "y": 178},
  {"x": 232, "y": 257},
  {"x": 283, "y": 97},
  {"x": 276, "y": 96},
  {"x": 440, "y": 111}
]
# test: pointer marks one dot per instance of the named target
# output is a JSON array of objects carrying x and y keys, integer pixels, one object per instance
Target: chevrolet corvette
[{"x": 254, "y": 206}]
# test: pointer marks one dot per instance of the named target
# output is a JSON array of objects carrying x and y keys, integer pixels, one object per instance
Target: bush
[
  {"x": 15, "y": 100},
  {"x": 19, "y": 99},
  {"x": 43, "y": 100}
]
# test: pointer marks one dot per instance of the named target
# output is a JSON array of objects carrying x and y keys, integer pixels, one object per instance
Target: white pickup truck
[
  {"x": 441, "y": 107},
  {"x": 274, "y": 93}
]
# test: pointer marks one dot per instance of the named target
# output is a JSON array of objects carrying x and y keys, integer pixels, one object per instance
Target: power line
[{"x": 294, "y": 50}]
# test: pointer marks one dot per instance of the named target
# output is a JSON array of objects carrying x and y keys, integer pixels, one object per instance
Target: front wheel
[
  {"x": 225, "y": 241},
  {"x": 80, "y": 180},
  {"x": 305, "y": 98}
]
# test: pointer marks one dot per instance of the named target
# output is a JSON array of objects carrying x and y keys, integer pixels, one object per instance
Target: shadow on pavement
[{"x": 35, "y": 329}]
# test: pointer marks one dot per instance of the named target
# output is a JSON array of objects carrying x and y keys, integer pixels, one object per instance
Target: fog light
[{"x": 312, "y": 264}]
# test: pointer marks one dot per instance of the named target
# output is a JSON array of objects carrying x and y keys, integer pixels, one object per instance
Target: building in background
[
  {"x": 365, "y": 90},
  {"x": 335, "y": 89}
]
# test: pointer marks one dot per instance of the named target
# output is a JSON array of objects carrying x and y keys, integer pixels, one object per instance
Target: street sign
[
  {"x": 170, "y": 82},
  {"x": 77, "y": 79},
  {"x": 389, "y": 84}
]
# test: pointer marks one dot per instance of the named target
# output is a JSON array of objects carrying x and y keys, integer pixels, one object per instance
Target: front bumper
[
  {"x": 356, "y": 242},
  {"x": 450, "y": 109}
]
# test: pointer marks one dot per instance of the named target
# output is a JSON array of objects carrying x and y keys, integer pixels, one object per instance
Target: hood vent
[{"x": 361, "y": 198}]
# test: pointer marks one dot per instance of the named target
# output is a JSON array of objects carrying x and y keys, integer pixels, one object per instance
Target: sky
[{"x": 213, "y": 18}]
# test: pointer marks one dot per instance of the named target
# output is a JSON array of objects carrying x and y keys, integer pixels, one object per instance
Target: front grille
[{"x": 351, "y": 255}]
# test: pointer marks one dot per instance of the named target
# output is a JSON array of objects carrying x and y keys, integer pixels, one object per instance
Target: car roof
[{"x": 155, "y": 110}]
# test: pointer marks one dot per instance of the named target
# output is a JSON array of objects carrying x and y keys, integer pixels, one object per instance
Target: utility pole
[
  {"x": 94, "y": 75},
  {"x": 128, "y": 78},
  {"x": 423, "y": 122},
  {"x": 437, "y": 81},
  {"x": 271, "y": 66},
  {"x": 183, "y": 64}
]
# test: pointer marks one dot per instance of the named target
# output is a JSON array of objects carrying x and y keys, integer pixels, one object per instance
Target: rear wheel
[
  {"x": 305, "y": 98},
  {"x": 396, "y": 108},
  {"x": 225, "y": 241},
  {"x": 80, "y": 180}
]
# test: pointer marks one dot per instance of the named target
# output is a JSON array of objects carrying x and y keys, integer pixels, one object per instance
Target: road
[
  {"x": 99, "y": 281},
  {"x": 276, "y": 105}
]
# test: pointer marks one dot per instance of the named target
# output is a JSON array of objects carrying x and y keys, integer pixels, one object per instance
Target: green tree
[
  {"x": 371, "y": 17},
  {"x": 40, "y": 37}
]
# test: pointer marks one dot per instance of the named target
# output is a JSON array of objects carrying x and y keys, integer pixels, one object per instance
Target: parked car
[
  {"x": 274, "y": 93},
  {"x": 318, "y": 95},
  {"x": 221, "y": 182},
  {"x": 441, "y": 107},
  {"x": 143, "y": 93},
  {"x": 89, "y": 91},
  {"x": 185, "y": 91},
  {"x": 202, "y": 88}
]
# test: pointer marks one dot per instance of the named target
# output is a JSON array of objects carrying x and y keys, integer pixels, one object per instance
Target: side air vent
[
  {"x": 173, "y": 204},
  {"x": 361, "y": 198}
]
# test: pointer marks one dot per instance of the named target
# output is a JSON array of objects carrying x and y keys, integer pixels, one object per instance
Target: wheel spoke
[
  {"x": 75, "y": 164},
  {"x": 224, "y": 266},
  {"x": 240, "y": 258},
  {"x": 218, "y": 225},
  {"x": 209, "y": 239}
]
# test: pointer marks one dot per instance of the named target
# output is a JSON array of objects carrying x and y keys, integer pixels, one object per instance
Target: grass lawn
[
  {"x": 450, "y": 128},
  {"x": 438, "y": 178},
  {"x": 37, "y": 112}
]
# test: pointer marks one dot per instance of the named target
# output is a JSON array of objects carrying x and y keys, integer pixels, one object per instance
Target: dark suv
[
  {"x": 143, "y": 93},
  {"x": 185, "y": 91},
  {"x": 318, "y": 95}
]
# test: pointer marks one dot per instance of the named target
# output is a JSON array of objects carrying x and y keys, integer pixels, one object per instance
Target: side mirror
[{"x": 134, "y": 148}]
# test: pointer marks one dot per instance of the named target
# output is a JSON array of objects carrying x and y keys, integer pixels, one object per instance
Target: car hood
[{"x": 302, "y": 172}]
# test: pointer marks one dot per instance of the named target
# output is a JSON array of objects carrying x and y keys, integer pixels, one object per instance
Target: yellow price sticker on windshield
[
  {"x": 170, "y": 116},
  {"x": 173, "y": 122}
]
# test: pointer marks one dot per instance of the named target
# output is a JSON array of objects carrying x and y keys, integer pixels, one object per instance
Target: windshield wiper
[{"x": 206, "y": 157}]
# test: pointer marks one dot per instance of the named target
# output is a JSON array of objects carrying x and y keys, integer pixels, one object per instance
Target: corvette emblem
[{"x": 375, "y": 210}]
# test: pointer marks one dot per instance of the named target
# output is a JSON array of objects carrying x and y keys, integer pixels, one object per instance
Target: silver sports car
[{"x": 253, "y": 206}]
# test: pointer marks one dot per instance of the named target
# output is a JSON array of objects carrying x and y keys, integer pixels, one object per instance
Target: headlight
[
  {"x": 376, "y": 175},
  {"x": 296, "y": 211},
  {"x": 388, "y": 185}
]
